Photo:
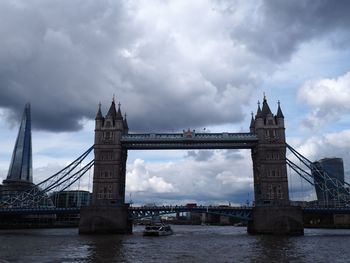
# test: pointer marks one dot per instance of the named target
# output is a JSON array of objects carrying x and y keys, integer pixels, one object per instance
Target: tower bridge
[
  {"x": 266, "y": 139},
  {"x": 109, "y": 213}
]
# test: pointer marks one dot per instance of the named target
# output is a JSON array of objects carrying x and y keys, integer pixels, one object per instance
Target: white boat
[{"x": 157, "y": 229}]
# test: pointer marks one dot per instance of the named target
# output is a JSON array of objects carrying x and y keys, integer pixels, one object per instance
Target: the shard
[{"x": 21, "y": 163}]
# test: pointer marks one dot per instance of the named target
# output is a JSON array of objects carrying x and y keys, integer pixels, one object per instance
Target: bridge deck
[
  {"x": 189, "y": 140},
  {"x": 141, "y": 212}
]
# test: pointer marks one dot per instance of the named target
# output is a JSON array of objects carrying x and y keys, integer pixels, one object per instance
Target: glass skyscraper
[
  {"x": 21, "y": 162},
  {"x": 334, "y": 168},
  {"x": 19, "y": 177}
]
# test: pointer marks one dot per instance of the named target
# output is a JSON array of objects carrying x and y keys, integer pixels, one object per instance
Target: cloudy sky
[{"x": 174, "y": 65}]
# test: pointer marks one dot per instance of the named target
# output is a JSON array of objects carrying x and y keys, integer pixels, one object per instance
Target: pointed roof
[
  {"x": 99, "y": 113},
  {"x": 279, "y": 111},
  {"x": 258, "y": 112},
  {"x": 252, "y": 122},
  {"x": 126, "y": 127},
  {"x": 21, "y": 161},
  {"x": 119, "y": 113},
  {"x": 265, "y": 108},
  {"x": 112, "y": 112}
]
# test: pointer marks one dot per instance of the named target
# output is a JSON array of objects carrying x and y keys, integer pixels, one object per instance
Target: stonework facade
[
  {"x": 110, "y": 158},
  {"x": 269, "y": 157}
]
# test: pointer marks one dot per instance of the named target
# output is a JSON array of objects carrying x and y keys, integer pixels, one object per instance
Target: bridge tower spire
[
  {"x": 270, "y": 175},
  {"x": 108, "y": 212}
]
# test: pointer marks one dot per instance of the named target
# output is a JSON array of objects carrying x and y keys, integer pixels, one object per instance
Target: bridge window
[
  {"x": 279, "y": 192},
  {"x": 106, "y": 156},
  {"x": 109, "y": 194},
  {"x": 270, "y": 133},
  {"x": 100, "y": 193},
  {"x": 106, "y": 174},
  {"x": 270, "y": 192}
]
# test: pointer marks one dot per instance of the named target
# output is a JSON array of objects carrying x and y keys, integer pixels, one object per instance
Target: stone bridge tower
[
  {"x": 269, "y": 157},
  {"x": 108, "y": 212},
  {"x": 272, "y": 212}
]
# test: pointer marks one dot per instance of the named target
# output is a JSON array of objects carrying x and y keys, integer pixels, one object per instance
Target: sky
[{"x": 174, "y": 65}]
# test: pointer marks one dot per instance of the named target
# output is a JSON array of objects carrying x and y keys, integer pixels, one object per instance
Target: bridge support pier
[
  {"x": 284, "y": 220},
  {"x": 104, "y": 220}
]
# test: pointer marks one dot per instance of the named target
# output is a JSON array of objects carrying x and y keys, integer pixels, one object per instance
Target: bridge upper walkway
[{"x": 189, "y": 140}]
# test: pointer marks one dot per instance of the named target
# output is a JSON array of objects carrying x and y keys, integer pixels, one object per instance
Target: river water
[{"x": 188, "y": 244}]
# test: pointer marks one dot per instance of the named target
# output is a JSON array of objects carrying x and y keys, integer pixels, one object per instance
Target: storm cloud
[{"x": 172, "y": 64}]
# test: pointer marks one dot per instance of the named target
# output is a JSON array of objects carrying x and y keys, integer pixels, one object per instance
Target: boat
[{"x": 157, "y": 229}]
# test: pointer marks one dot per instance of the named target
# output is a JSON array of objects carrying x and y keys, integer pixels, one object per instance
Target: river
[{"x": 188, "y": 244}]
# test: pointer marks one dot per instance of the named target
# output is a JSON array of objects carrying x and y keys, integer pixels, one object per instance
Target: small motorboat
[{"x": 157, "y": 229}]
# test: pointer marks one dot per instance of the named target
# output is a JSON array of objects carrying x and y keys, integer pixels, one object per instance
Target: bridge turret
[
  {"x": 251, "y": 127},
  {"x": 279, "y": 116},
  {"x": 110, "y": 160},
  {"x": 259, "y": 120},
  {"x": 272, "y": 212},
  {"x": 270, "y": 173},
  {"x": 108, "y": 212},
  {"x": 126, "y": 127},
  {"x": 99, "y": 118},
  {"x": 119, "y": 120}
]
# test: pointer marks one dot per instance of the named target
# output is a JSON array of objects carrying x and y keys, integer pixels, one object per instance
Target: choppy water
[{"x": 188, "y": 244}]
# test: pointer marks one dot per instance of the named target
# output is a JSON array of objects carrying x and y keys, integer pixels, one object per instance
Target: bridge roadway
[
  {"x": 242, "y": 212},
  {"x": 189, "y": 140},
  {"x": 139, "y": 212}
]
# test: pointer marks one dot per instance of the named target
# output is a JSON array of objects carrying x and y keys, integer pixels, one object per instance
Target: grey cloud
[
  {"x": 275, "y": 29},
  {"x": 206, "y": 155},
  {"x": 200, "y": 156},
  {"x": 233, "y": 155},
  {"x": 169, "y": 74},
  {"x": 66, "y": 56}
]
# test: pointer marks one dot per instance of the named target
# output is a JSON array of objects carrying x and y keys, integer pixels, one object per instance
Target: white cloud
[
  {"x": 221, "y": 178},
  {"x": 328, "y": 145},
  {"x": 328, "y": 98},
  {"x": 139, "y": 179}
]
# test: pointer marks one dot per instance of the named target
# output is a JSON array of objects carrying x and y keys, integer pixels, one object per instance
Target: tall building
[
  {"x": 19, "y": 177},
  {"x": 21, "y": 162},
  {"x": 334, "y": 168}
]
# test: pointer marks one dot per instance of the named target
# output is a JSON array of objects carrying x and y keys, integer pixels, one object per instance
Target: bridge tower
[
  {"x": 272, "y": 212},
  {"x": 108, "y": 212}
]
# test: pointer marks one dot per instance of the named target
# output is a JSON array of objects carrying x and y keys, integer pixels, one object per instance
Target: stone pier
[
  {"x": 286, "y": 220},
  {"x": 104, "y": 220}
]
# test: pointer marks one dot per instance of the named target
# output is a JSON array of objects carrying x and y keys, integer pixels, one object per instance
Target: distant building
[
  {"x": 71, "y": 199},
  {"x": 20, "y": 174},
  {"x": 19, "y": 177},
  {"x": 334, "y": 168}
]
